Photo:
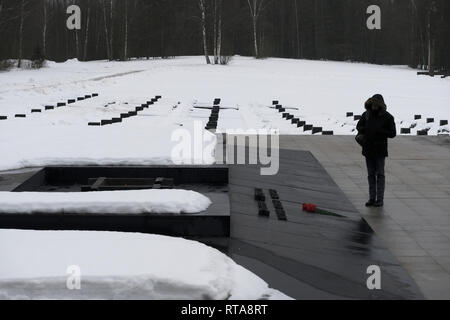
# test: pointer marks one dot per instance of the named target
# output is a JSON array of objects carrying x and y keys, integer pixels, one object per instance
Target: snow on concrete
[
  {"x": 319, "y": 92},
  {"x": 105, "y": 202},
  {"x": 120, "y": 266}
]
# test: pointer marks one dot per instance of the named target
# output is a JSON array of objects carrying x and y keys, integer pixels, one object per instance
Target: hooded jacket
[{"x": 377, "y": 128}]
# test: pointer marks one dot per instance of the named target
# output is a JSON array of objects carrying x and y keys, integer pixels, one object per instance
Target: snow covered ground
[
  {"x": 120, "y": 266},
  {"x": 320, "y": 93},
  {"x": 106, "y": 202}
]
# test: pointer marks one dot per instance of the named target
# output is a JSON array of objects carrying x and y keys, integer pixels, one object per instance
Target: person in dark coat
[{"x": 374, "y": 129}]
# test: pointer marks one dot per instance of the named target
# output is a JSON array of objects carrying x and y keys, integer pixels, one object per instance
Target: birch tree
[
  {"x": 217, "y": 30},
  {"x": 202, "y": 6},
  {"x": 86, "y": 37},
  {"x": 107, "y": 39},
  {"x": 44, "y": 27},
  {"x": 125, "y": 45},
  {"x": 21, "y": 22},
  {"x": 256, "y": 8}
]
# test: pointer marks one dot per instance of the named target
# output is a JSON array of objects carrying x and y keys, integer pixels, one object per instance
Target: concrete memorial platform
[
  {"x": 308, "y": 255},
  {"x": 209, "y": 181}
]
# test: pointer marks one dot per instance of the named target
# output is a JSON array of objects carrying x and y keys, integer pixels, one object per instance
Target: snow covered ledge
[
  {"x": 120, "y": 266},
  {"x": 108, "y": 202}
]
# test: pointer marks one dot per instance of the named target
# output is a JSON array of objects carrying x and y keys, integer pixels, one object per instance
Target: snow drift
[
  {"x": 120, "y": 266},
  {"x": 105, "y": 202}
]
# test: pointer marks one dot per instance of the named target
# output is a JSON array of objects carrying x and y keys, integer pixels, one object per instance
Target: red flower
[{"x": 308, "y": 207}]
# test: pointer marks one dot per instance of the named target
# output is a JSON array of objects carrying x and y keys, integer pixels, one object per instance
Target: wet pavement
[
  {"x": 326, "y": 257},
  {"x": 415, "y": 222},
  {"x": 309, "y": 256}
]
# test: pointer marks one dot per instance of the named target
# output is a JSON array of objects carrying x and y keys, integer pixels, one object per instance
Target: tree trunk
[
  {"x": 22, "y": 18},
  {"x": 86, "y": 38},
  {"x": 205, "y": 44},
  {"x": 44, "y": 30},
  {"x": 299, "y": 46},
  {"x": 256, "y": 7},
  {"x": 108, "y": 43},
  {"x": 255, "y": 37},
  {"x": 216, "y": 58},
  {"x": 125, "y": 47},
  {"x": 77, "y": 43},
  {"x": 219, "y": 32},
  {"x": 111, "y": 39}
]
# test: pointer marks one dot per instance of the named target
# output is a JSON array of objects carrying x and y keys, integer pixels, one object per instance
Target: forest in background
[{"x": 413, "y": 31}]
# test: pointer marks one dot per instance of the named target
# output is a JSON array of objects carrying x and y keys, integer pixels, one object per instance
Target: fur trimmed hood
[{"x": 375, "y": 100}]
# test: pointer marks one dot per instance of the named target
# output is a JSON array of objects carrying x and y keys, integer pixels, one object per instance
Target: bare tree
[
  {"x": 431, "y": 37},
  {"x": 256, "y": 8},
  {"x": 44, "y": 28},
  {"x": 217, "y": 30},
  {"x": 22, "y": 18},
  {"x": 108, "y": 42},
  {"x": 111, "y": 34},
  {"x": 201, "y": 4},
  {"x": 86, "y": 37},
  {"x": 297, "y": 27},
  {"x": 125, "y": 45}
]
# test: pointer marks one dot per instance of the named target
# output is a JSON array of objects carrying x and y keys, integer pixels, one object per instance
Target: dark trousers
[{"x": 377, "y": 180}]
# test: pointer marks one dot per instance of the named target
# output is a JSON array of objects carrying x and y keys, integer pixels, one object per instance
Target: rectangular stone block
[
  {"x": 274, "y": 194},
  {"x": 259, "y": 195},
  {"x": 116, "y": 120},
  {"x": 263, "y": 211},
  {"x": 139, "y": 108},
  {"x": 430, "y": 120},
  {"x": 95, "y": 94},
  {"x": 301, "y": 124},
  {"x": 106, "y": 122},
  {"x": 417, "y": 117},
  {"x": 443, "y": 123},
  {"x": 278, "y": 106},
  {"x": 357, "y": 118},
  {"x": 349, "y": 114},
  {"x": 49, "y": 107},
  {"x": 285, "y": 115},
  {"x": 316, "y": 130},
  {"x": 80, "y": 98},
  {"x": 61, "y": 104},
  {"x": 36, "y": 110},
  {"x": 275, "y": 102},
  {"x": 422, "y": 133},
  {"x": 328, "y": 133},
  {"x": 124, "y": 115},
  {"x": 94, "y": 124},
  {"x": 88, "y": 96},
  {"x": 3, "y": 118},
  {"x": 295, "y": 121},
  {"x": 290, "y": 117},
  {"x": 132, "y": 113},
  {"x": 281, "y": 214},
  {"x": 405, "y": 131},
  {"x": 20, "y": 115},
  {"x": 307, "y": 127},
  {"x": 70, "y": 101},
  {"x": 282, "y": 110}
]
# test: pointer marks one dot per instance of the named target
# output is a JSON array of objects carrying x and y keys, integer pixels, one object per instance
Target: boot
[{"x": 379, "y": 203}]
